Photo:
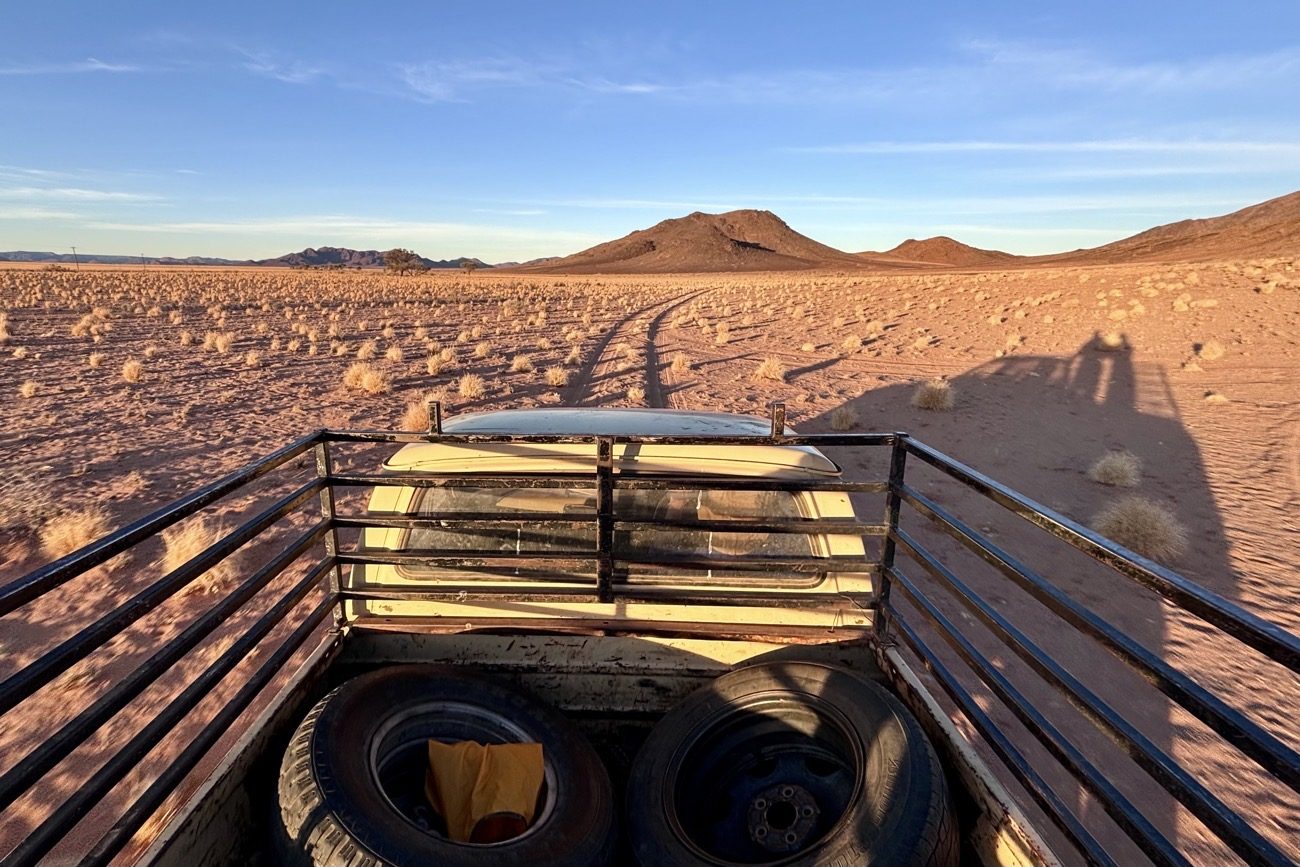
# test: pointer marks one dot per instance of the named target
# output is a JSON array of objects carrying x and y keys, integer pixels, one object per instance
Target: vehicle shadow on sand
[{"x": 1036, "y": 423}]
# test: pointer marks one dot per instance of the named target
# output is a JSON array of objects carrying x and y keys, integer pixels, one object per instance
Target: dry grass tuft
[
  {"x": 394, "y": 353},
  {"x": 936, "y": 395},
  {"x": 636, "y": 394},
  {"x": 132, "y": 370},
  {"x": 844, "y": 418},
  {"x": 1211, "y": 350},
  {"x": 471, "y": 386},
  {"x": 185, "y": 541},
  {"x": 361, "y": 376},
  {"x": 681, "y": 363},
  {"x": 95, "y": 359},
  {"x": 252, "y": 358},
  {"x": 521, "y": 364},
  {"x": 1119, "y": 469},
  {"x": 416, "y": 417},
  {"x": 28, "y": 389},
  {"x": 770, "y": 368},
  {"x": 1111, "y": 341},
  {"x": 68, "y": 531},
  {"x": 556, "y": 377},
  {"x": 1143, "y": 526}
]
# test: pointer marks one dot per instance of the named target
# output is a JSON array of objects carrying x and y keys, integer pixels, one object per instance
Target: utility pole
[{"x": 75, "y": 259}]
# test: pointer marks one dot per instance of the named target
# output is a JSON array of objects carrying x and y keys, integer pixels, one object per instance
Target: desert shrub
[
  {"x": 681, "y": 363},
  {"x": 521, "y": 364},
  {"x": 185, "y": 541},
  {"x": 471, "y": 386},
  {"x": 935, "y": 395},
  {"x": 95, "y": 359},
  {"x": 808, "y": 347},
  {"x": 223, "y": 342},
  {"x": 851, "y": 343},
  {"x": 70, "y": 530},
  {"x": 636, "y": 394},
  {"x": 132, "y": 370},
  {"x": 252, "y": 358},
  {"x": 1118, "y": 468},
  {"x": 556, "y": 377},
  {"x": 1110, "y": 341},
  {"x": 483, "y": 349},
  {"x": 28, "y": 388},
  {"x": 1143, "y": 526},
  {"x": 366, "y": 350},
  {"x": 1211, "y": 350},
  {"x": 361, "y": 376},
  {"x": 416, "y": 416},
  {"x": 433, "y": 365},
  {"x": 844, "y": 418},
  {"x": 770, "y": 368},
  {"x": 574, "y": 357},
  {"x": 394, "y": 353}
]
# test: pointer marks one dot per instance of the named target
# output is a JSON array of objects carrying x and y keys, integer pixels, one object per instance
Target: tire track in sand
[{"x": 602, "y": 364}]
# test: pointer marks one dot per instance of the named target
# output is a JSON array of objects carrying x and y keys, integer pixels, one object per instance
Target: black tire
[
  {"x": 351, "y": 782},
  {"x": 791, "y": 763}
]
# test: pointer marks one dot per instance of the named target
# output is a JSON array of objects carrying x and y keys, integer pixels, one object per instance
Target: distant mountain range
[
  {"x": 312, "y": 257},
  {"x": 752, "y": 240}
]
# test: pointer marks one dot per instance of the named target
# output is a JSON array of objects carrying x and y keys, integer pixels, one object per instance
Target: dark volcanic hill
[
  {"x": 312, "y": 257},
  {"x": 944, "y": 251},
  {"x": 343, "y": 257},
  {"x": 1271, "y": 228},
  {"x": 745, "y": 240}
]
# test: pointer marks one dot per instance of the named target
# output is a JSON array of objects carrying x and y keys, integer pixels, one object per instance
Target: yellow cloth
[{"x": 468, "y": 781}]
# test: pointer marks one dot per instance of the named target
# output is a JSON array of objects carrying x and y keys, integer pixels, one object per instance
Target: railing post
[
  {"x": 605, "y": 519},
  {"x": 435, "y": 418},
  {"x": 893, "y": 506},
  {"x": 778, "y": 419},
  {"x": 325, "y": 471}
]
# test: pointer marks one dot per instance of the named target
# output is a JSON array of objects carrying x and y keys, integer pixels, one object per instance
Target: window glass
[{"x": 629, "y": 541}]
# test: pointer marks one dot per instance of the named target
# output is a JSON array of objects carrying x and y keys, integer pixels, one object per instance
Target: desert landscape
[{"x": 1147, "y": 388}]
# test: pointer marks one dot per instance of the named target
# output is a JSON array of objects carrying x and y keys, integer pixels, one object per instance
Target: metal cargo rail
[{"x": 903, "y": 605}]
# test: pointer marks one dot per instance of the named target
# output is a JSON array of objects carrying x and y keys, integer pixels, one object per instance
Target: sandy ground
[{"x": 1036, "y": 402}]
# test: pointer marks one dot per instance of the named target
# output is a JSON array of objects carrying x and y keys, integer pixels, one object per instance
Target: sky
[{"x": 515, "y": 130}]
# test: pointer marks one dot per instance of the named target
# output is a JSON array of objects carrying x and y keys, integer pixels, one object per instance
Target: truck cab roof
[{"x": 771, "y": 461}]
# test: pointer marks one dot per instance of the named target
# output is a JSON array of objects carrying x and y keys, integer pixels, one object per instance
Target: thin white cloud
[
  {"x": 1081, "y": 146},
  {"x": 511, "y": 212},
  {"x": 287, "y": 71},
  {"x": 90, "y": 64},
  {"x": 336, "y": 225},
  {"x": 1073, "y": 66},
  {"x": 911, "y": 204},
  {"x": 25, "y": 213},
  {"x": 72, "y": 194}
]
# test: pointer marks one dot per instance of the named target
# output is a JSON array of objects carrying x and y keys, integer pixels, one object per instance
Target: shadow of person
[{"x": 1036, "y": 423}]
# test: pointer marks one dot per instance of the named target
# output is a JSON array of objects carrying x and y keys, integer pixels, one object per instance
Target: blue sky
[{"x": 517, "y": 130}]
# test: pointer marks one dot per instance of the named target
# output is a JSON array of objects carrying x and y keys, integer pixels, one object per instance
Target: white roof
[{"x": 542, "y": 458}]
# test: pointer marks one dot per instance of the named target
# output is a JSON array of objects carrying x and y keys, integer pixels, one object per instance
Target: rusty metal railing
[{"x": 308, "y": 602}]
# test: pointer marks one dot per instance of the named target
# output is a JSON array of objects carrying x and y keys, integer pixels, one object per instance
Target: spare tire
[
  {"x": 351, "y": 786},
  {"x": 791, "y": 763}
]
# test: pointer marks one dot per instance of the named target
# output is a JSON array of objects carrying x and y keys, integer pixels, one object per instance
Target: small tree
[
  {"x": 402, "y": 261},
  {"x": 468, "y": 265}
]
